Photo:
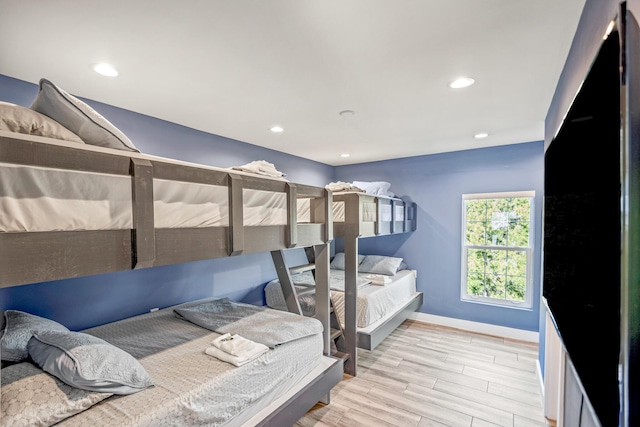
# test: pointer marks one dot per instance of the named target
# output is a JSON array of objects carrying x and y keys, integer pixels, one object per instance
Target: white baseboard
[{"x": 483, "y": 328}]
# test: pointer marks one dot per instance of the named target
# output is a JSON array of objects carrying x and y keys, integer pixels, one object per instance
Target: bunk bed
[
  {"x": 380, "y": 298},
  {"x": 355, "y": 215},
  {"x": 72, "y": 209}
]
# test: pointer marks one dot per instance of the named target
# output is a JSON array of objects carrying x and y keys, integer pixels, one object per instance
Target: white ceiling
[{"x": 237, "y": 67}]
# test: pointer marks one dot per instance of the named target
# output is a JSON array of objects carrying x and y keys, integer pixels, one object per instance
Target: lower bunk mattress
[
  {"x": 190, "y": 387},
  {"x": 374, "y": 301}
]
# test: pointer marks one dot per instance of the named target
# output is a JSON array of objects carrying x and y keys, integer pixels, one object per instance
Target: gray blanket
[{"x": 263, "y": 325}]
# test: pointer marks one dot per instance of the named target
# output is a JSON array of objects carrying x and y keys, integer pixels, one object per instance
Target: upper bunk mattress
[
  {"x": 191, "y": 387},
  {"x": 373, "y": 303},
  {"x": 80, "y": 200}
]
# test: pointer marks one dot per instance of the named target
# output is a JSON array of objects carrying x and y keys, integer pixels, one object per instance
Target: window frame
[{"x": 529, "y": 250}]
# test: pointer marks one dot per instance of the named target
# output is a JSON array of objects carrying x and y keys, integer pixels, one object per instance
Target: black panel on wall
[{"x": 582, "y": 232}]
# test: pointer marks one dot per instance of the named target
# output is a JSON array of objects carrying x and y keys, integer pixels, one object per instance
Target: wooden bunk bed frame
[
  {"x": 68, "y": 254},
  {"x": 351, "y": 230}
]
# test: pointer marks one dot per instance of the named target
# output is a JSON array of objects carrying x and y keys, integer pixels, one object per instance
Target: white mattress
[
  {"x": 61, "y": 200},
  {"x": 373, "y": 303}
]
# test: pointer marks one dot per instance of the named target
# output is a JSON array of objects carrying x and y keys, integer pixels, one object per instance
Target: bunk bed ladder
[
  {"x": 338, "y": 346},
  {"x": 336, "y": 334}
]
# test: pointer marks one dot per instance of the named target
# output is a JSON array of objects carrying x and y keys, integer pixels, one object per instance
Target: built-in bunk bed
[
  {"x": 71, "y": 209},
  {"x": 366, "y": 312}
]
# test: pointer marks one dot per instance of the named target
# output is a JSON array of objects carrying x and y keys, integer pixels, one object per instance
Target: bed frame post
[
  {"x": 328, "y": 215},
  {"x": 143, "y": 240},
  {"x": 292, "y": 216},
  {"x": 236, "y": 215},
  {"x": 322, "y": 260},
  {"x": 353, "y": 214}
]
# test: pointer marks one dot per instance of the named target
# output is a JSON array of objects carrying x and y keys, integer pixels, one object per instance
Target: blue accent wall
[{"x": 436, "y": 183}]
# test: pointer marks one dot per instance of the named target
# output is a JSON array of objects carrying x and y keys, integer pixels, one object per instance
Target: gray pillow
[
  {"x": 87, "y": 362},
  {"x": 79, "y": 118},
  {"x": 19, "y": 328},
  {"x": 31, "y": 397},
  {"x": 379, "y": 264},
  {"x": 337, "y": 263}
]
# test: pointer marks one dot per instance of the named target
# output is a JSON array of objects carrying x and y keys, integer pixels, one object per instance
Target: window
[{"x": 497, "y": 248}]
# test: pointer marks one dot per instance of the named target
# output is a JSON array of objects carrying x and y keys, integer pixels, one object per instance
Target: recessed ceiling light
[
  {"x": 277, "y": 129},
  {"x": 345, "y": 155},
  {"x": 105, "y": 69},
  {"x": 481, "y": 135},
  {"x": 461, "y": 82}
]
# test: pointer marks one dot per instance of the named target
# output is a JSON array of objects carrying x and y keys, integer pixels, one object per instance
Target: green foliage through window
[{"x": 497, "y": 247}]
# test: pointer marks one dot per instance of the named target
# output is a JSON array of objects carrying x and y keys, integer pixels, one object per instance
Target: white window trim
[{"x": 527, "y": 304}]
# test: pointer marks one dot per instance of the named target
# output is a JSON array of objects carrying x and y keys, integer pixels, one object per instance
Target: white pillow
[
  {"x": 337, "y": 263},
  {"x": 379, "y": 264},
  {"x": 19, "y": 119},
  {"x": 79, "y": 118}
]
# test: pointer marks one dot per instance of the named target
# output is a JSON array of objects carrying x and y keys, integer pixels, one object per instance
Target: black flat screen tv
[{"x": 582, "y": 229}]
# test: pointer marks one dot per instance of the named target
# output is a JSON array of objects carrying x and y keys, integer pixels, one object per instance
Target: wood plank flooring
[{"x": 425, "y": 375}]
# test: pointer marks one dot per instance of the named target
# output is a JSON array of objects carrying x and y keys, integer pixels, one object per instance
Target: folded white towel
[
  {"x": 237, "y": 345},
  {"x": 261, "y": 167},
  {"x": 378, "y": 279},
  {"x": 342, "y": 186},
  {"x": 234, "y": 360},
  {"x": 235, "y": 349}
]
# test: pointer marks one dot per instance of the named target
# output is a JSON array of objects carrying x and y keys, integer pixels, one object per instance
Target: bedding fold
[
  {"x": 260, "y": 324},
  {"x": 378, "y": 279}
]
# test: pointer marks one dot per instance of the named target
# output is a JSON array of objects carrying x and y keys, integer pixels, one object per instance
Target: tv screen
[{"x": 582, "y": 245}]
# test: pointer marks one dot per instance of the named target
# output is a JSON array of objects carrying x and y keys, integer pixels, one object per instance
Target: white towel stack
[
  {"x": 378, "y": 279},
  {"x": 235, "y": 349}
]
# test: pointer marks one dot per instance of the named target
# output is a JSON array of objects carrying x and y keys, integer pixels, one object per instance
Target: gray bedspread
[
  {"x": 191, "y": 387},
  {"x": 263, "y": 325}
]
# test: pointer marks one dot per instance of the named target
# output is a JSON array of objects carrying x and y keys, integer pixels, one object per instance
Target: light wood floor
[{"x": 425, "y": 375}]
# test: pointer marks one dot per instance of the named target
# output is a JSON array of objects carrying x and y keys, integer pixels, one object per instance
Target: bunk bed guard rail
[
  {"x": 370, "y": 216},
  {"x": 59, "y": 252}
]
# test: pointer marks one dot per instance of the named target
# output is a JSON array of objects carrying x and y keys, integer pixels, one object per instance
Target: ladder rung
[
  {"x": 341, "y": 355},
  {"x": 335, "y": 333},
  {"x": 302, "y": 268}
]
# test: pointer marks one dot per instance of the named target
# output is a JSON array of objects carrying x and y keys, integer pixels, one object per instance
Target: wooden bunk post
[
  {"x": 143, "y": 238},
  {"x": 236, "y": 215},
  {"x": 353, "y": 215},
  {"x": 292, "y": 215},
  {"x": 322, "y": 260}
]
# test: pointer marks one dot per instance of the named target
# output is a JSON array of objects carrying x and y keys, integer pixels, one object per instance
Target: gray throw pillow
[
  {"x": 79, "y": 118},
  {"x": 379, "y": 264},
  {"x": 19, "y": 328},
  {"x": 337, "y": 263},
  {"x": 87, "y": 362}
]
